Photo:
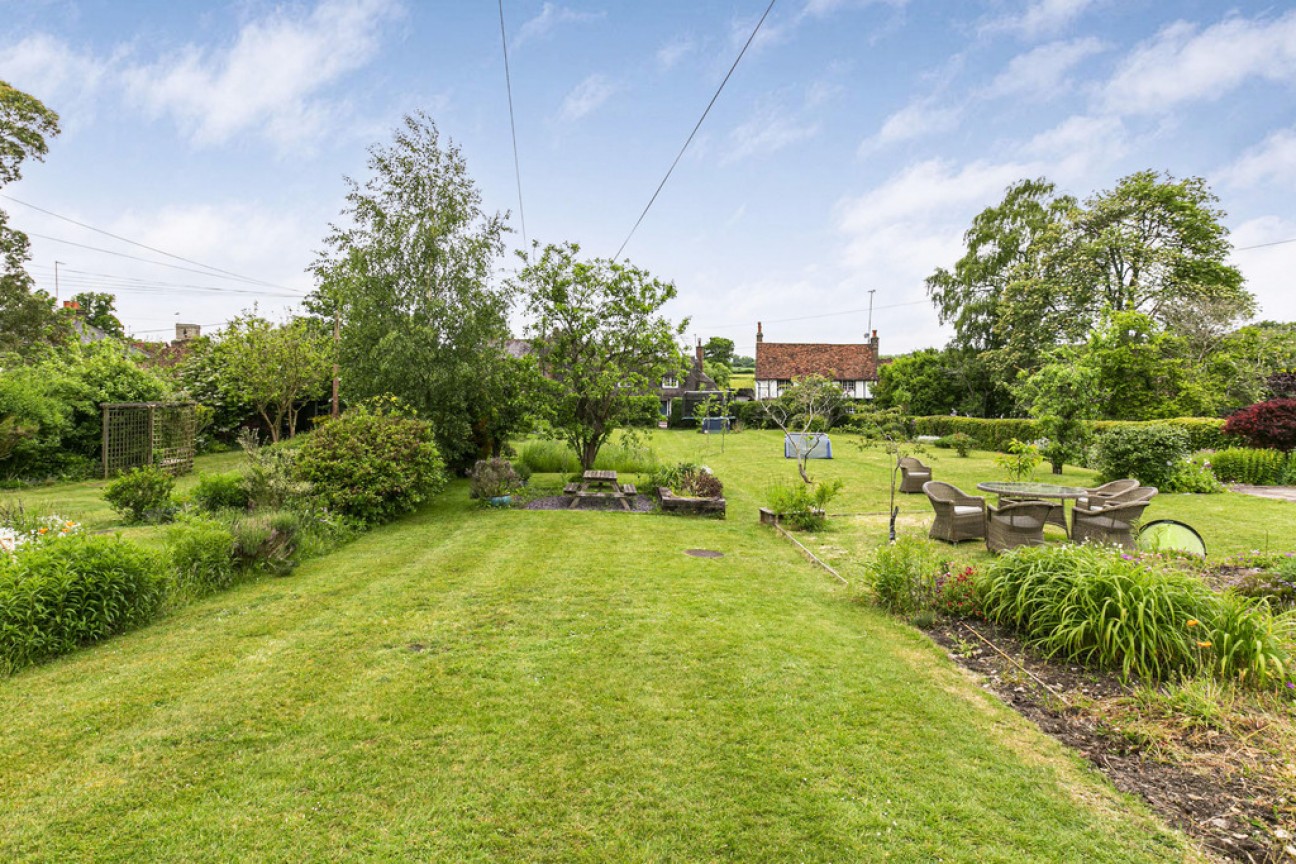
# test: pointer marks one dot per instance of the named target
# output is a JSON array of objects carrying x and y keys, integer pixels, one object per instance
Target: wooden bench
[
  {"x": 628, "y": 489},
  {"x": 571, "y": 488}
]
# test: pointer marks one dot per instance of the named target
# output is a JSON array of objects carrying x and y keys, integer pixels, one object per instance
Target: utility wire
[
  {"x": 1263, "y": 245},
  {"x": 811, "y": 317},
  {"x": 150, "y": 261},
  {"x": 517, "y": 168},
  {"x": 108, "y": 280},
  {"x": 698, "y": 126},
  {"x": 141, "y": 245}
]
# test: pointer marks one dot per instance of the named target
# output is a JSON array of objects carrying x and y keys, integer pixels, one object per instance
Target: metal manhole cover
[{"x": 704, "y": 553}]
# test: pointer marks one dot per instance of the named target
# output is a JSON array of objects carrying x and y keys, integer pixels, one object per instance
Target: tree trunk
[{"x": 274, "y": 427}]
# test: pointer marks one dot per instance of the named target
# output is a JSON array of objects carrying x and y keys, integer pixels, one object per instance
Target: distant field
[{"x": 742, "y": 379}]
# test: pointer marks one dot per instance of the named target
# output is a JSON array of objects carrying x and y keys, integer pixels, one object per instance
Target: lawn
[{"x": 472, "y": 685}]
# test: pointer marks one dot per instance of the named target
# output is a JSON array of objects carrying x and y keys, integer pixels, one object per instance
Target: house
[
  {"x": 778, "y": 364},
  {"x": 674, "y": 387}
]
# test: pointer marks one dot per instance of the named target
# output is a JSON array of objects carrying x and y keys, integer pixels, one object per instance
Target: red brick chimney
[
  {"x": 699, "y": 353},
  {"x": 760, "y": 337}
]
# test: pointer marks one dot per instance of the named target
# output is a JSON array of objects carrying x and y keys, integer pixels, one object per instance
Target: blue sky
[{"x": 847, "y": 154}]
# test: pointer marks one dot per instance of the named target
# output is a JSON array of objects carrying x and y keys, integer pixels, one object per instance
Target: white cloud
[
  {"x": 1274, "y": 161},
  {"x": 53, "y": 71},
  {"x": 1182, "y": 64},
  {"x": 271, "y": 78},
  {"x": 675, "y": 50},
  {"x": 1042, "y": 17},
  {"x": 1043, "y": 71},
  {"x": 916, "y": 120},
  {"x": 1267, "y": 269},
  {"x": 768, "y": 131},
  {"x": 550, "y": 17},
  {"x": 1080, "y": 146},
  {"x": 587, "y": 96},
  {"x": 819, "y": 8}
]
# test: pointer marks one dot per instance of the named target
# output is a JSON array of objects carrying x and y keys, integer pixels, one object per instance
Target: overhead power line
[
  {"x": 1263, "y": 245},
  {"x": 517, "y": 168},
  {"x": 207, "y": 273},
  {"x": 87, "y": 278},
  {"x": 141, "y": 245},
  {"x": 696, "y": 127}
]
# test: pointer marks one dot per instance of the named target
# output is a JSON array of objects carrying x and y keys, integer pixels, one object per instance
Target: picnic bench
[{"x": 602, "y": 485}]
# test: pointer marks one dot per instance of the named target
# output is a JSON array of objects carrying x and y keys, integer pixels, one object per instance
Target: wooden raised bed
[{"x": 687, "y": 506}]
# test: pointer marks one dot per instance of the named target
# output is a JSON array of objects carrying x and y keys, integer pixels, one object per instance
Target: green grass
[
  {"x": 738, "y": 380},
  {"x": 479, "y": 685}
]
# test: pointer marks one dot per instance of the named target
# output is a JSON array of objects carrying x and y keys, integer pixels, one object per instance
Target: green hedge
[
  {"x": 1248, "y": 465},
  {"x": 985, "y": 434},
  {"x": 1204, "y": 433}
]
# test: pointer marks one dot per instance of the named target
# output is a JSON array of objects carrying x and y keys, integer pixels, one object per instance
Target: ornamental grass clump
[{"x": 1105, "y": 607}]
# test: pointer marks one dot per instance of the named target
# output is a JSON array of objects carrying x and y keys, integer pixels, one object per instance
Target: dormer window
[{"x": 670, "y": 382}]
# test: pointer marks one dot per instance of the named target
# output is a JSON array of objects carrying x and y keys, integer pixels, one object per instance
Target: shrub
[
  {"x": 1277, "y": 585},
  {"x": 900, "y": 575},
  {"x": 1193, "y": 477},
  {"x": 142, "y": 495},
  {"x": 642, "y": 412},
  {"x": 1096, "y": 605},
  {"x": 877, "y": 424},
  {"x": 687, "y": 479},
  {"x": 1247, "y": 465},
  {"x": 1020, "y": 460},
  {"x": 228, "y": 491},
  {"x": 677, "y": 419},
  {"x": 202, "y": 556},
  {"x": 492, "y": 478},
  {"x": 271, "y": 479},
  {"x": 986, "y": 434},
  {"x": 1266, "y": 424},
  {"x": 802, "y": 505},
  {"x": 956, "y": 592},
  {"x": 370, "y": 465},
  {"x": 1149, "y": 453},
  {"x": 55, "y": 597},
  {"x": 266, "y": 541}
]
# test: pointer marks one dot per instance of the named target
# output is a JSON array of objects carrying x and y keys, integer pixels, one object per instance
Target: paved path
[{"x": 1283, "y": 493}]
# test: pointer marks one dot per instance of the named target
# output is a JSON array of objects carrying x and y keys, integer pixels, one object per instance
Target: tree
[
  {"x": 28, "y": 315},
  {"x": 1154, "y": 245},
  {"x": 409, "y": 276},
  {"x": 812, "y": 404},
  {"x": 597, "y": 329},
  {"x": 920, "y": 383},
  {"x": 1060, "y": 395},
  {"x": 719, "y": 350},
  {"x": 720, "y": 373},
  {"x": 274, "y": 368},
  {"x": 98, "y": 311}
]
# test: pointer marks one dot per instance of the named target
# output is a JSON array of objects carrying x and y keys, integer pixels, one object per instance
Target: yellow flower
[
  {"x": 1191, "y": 622},
  {"x": 1203, "y": 644}
]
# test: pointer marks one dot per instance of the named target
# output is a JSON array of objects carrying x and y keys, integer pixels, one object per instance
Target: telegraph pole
[
  {"x": 56, "y": 282},
  {"x": 337, "y": 340},
  {"x": 872, "y": 291}
]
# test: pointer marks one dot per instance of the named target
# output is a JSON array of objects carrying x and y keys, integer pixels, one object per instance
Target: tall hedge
[{"x": 1204, "y": 433}]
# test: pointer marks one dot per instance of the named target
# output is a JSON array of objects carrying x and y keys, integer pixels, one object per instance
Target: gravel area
[{"x": 638, "y": 504}]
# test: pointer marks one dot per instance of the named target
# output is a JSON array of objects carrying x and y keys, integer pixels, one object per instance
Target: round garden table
[
  {"x": 1016, "y": 491},
  {"x": 1012, "y": 489}
]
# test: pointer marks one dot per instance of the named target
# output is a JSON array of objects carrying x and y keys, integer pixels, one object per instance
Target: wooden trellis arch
[{"x": 148, "y": 433}]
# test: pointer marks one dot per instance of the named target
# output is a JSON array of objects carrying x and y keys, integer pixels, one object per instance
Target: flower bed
[{"x": 690, "y": 506}]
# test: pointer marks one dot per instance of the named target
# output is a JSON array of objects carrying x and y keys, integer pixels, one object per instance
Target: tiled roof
[{"x": 784, "y": 361}]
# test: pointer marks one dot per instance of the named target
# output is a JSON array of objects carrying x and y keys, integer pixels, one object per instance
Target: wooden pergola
[{"x": 148, "y": 433}]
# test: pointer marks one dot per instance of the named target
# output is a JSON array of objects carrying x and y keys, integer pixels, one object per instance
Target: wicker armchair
[
  {"x": 913, "y": 474},
  {"x": 959, "y": 516},
  {"x": 1113, "y": 523},
  {"x": 1056, "y": 513},
  {"x": 1020, "y": 523},
  {"x": 1102, "y": 494}
]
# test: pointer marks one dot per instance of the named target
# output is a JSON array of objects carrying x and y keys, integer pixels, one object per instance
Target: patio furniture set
[{"x": 1106, "y": 514}]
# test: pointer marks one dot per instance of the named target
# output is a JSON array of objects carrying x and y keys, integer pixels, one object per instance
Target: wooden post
[
  {"x": 151, "y": 441},
  {"x": 104, "y": 454}
]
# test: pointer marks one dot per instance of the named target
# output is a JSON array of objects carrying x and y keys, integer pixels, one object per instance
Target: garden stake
[
  {"x": 1039, "y": 680},
  {"x": 811, "y": 555}
]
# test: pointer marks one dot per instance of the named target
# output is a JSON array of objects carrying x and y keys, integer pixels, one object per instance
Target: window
[{"x": 670, "y": 382}]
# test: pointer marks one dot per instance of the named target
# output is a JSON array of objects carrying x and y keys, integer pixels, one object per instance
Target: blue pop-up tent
[{"x": 817, "y": 443}]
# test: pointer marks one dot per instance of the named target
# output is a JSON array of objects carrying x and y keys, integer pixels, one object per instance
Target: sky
[{"x": 839, "y": 166}]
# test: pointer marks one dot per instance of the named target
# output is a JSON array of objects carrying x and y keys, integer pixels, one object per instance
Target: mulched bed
[
  {"x": 638, "y": 504},
  {"x": 1207, "y": 783}
]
